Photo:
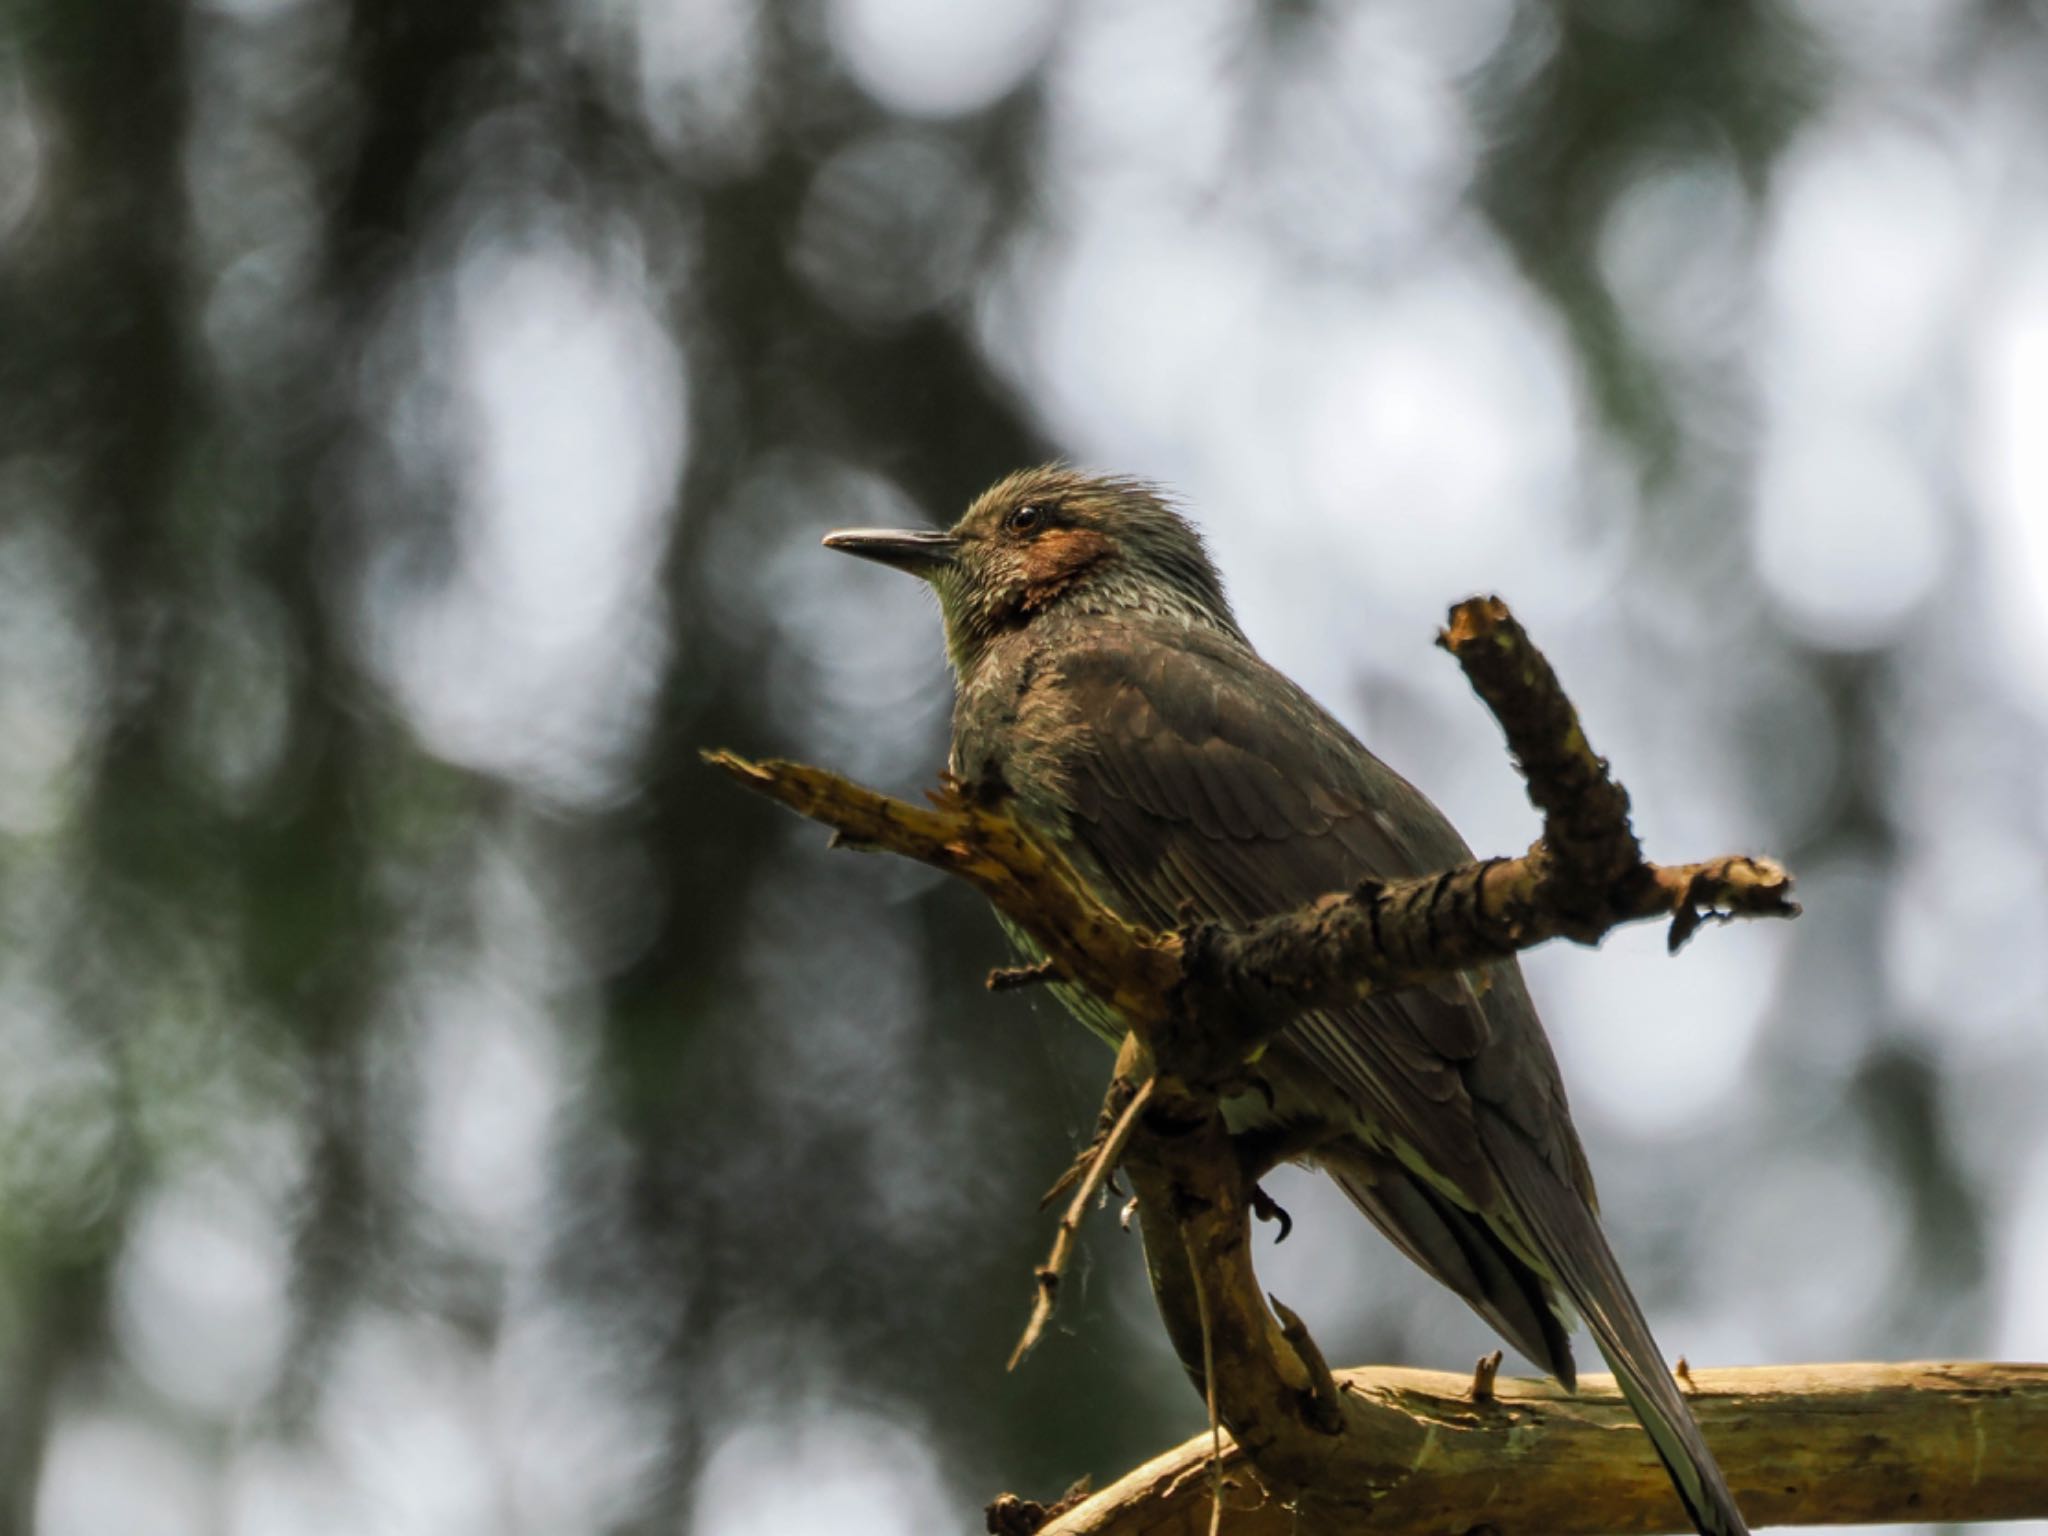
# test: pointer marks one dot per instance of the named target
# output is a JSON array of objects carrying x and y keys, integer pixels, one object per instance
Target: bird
[{"x": 1101, "y": 677}]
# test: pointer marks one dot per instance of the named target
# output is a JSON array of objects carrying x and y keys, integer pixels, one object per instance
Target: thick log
[{"x": 1801, "y": 1444}]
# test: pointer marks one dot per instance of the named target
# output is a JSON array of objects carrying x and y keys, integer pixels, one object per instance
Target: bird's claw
[{"x": 1266, "y": 1208}]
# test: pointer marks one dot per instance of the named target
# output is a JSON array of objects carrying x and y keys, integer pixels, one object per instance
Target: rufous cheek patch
[{"x": 1056, "y": 559}]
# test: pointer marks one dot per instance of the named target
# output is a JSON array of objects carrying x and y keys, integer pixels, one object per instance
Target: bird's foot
[{"x": 1683, "y": 1371}]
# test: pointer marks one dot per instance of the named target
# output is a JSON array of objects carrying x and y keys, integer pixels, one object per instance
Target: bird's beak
[{"x": 918, "y": 551}]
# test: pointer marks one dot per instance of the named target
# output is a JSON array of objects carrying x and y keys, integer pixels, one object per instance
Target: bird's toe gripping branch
[{"x": 1722, "y": 890}]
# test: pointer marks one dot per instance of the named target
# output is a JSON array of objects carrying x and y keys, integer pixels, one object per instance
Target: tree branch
[
  {"x": 965, "y": 833},
  {"x": 1801, "y": 1444},
  {"x": 1206, "y": 998}
]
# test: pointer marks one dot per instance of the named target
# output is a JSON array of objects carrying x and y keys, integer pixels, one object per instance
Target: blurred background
[{"x": 432, "y": 1102}]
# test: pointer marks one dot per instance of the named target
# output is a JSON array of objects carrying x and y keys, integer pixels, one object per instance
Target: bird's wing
[{"x": 1198, "y": 774}]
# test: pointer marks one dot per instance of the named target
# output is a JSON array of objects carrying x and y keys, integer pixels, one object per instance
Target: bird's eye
[{"x": 1025, "y": 518}]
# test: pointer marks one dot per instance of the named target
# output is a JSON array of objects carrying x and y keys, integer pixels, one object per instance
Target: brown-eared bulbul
[{"x": 1103, "y": 678}]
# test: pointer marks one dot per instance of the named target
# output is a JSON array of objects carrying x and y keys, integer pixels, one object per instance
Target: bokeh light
[{"x": 432, "y": 1101}]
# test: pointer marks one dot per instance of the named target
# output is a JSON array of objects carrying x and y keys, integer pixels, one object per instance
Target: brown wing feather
[{"x": 1199, "y": 775}]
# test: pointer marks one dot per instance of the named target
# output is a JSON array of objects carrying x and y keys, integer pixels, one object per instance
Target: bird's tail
[{"x": 1562, "y": 1226}]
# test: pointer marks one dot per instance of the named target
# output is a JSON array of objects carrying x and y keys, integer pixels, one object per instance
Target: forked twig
[{"x": 1110, "y": 1149}]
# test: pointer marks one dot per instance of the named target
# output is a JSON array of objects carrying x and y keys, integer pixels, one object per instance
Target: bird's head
[{"x": 1054, "y": 541}]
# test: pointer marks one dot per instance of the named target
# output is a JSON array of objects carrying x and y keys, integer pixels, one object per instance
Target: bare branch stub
[
  {"x": 1008, "y": 1515},
  {"x": 1586, "y": 829},
  {"x": 1014, "y": 978},
  {"x": 1484, "y": 1370}
]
